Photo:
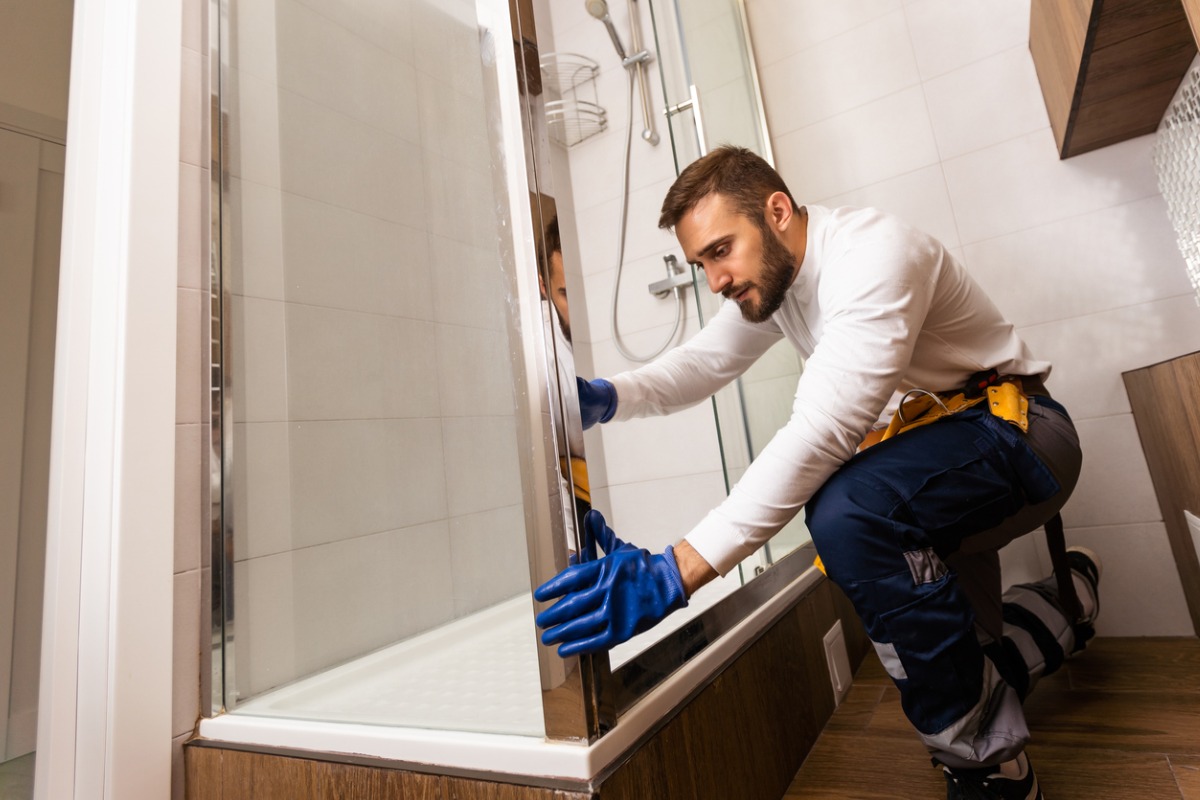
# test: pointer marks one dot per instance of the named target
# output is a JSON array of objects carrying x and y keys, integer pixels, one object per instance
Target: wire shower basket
[{"x": 572, "y": 111}]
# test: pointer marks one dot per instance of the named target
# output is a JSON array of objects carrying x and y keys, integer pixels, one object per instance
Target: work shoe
[
  {"x": 988, "y": 783},
  {"x": 1085, "y": 570}
]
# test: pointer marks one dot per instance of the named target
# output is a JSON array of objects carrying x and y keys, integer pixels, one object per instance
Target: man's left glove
[{"x": 606, "y": 602}]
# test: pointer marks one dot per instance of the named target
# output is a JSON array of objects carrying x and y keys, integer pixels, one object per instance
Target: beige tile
[
  {"x": 267, "y": 626},
  {"x": 194, "y": 192},
  {"x": 191, "y": 489},
  {"x": 191, "y": 322},
  {"x": 193, "y": 102},
  {"x": 185, "y": 706},
  {"x": 256, "y": 229}
]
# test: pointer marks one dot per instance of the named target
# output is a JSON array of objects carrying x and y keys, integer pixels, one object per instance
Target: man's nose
[{"x": 717, "y": 279}]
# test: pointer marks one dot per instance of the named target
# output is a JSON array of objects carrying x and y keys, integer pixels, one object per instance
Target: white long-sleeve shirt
[{"x": 877, "y": 308}]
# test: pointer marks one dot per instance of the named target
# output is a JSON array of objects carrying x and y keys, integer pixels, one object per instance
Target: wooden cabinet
[
  {"x": 1166, "y": 406},
  {"x": 1109, "y": 68}
]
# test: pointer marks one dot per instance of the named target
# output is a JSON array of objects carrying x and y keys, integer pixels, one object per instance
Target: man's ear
[{"x": 779, "y": 211}]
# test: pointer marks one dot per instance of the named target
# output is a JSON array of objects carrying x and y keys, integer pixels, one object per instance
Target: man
[{"x": 909, "y": 527}]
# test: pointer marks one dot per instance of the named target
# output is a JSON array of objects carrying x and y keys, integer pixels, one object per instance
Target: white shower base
[{"x": 435, "y": 699}]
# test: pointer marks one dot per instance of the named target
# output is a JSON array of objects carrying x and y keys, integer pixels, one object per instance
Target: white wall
[{"x": 930, "y": 109}]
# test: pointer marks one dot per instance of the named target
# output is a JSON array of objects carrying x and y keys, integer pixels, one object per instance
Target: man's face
[
  {"x": 742, "y": 261},
  {"x": 558, "y": 292}
]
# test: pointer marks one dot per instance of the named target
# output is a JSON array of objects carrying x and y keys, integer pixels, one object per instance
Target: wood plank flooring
[{"x": 1120, "y": 722}]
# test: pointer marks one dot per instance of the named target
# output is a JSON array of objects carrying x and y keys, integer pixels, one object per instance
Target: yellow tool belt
[{"x": 1005, "y": 396}]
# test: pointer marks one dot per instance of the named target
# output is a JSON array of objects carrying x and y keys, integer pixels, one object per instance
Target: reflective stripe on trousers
[{"x": 909, "y": 529}]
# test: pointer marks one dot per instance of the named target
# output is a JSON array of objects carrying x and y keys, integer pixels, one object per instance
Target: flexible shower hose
[{"x": 621, "y": 251}]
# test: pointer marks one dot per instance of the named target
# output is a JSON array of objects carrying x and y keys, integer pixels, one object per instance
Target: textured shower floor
[{"x": 479, "y": 673}]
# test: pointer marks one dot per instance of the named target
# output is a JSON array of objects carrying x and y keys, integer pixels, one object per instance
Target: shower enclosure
[{"x": 394, "y": 420}]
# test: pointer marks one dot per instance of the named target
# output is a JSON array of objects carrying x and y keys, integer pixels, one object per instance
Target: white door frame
[{"x": 104, "y": 728}]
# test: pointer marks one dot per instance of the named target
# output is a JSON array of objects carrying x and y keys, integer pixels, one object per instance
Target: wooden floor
[{"x": 1119, "y": 722}]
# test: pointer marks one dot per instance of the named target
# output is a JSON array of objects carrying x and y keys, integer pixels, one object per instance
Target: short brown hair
[{"x": 739, "y": 174}]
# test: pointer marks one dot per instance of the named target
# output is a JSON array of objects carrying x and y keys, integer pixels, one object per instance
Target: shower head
[{"x": 599, "y": 10}]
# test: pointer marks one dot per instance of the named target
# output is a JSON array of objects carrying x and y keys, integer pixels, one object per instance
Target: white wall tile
[
  {"x": 1140, "y": 590},
  {"x": 252, "y": 40},
  {"x": 1100, "y": 261},
  {"x": 1114, "y": 485},
  {"x": 256, "y": 231},
  {"x": 949, "y": 35},
  {"x": 329, "y": 157},
  {"x": 264, "y": 596},
  {"x": 637, "y": 309},
  {"x": 919, "y": 197},
  {"x": 987, "y": 102},
  {"x": 868, "y": 144},
  {"x": 460, "y": 202},
  {"x": 254, "y": 150},
  {"x": 730, "y": 115},
  {"x": 599, "y": 229},
  {"x": 832, "y": 77},
  {"x": 259, "y": 360},
  {"x": 446, "y": 42},
  {"x": 482, "y": 457},
  {"x": 1090, "y": 353},
  {"x": 424, "y": 598},
  {"x": 488, "y": 558},
  {"x": 195, "y": 15},
  {"x": 349, "y": 365},
  {"x": 779, "y": 361},
  {"x": 385, "y": 24},
  {"x": 262, "y": 508},
  {"x": 452, "y": 125},
  {"x": 354, "y": 261},
  {"x": 661, "y": 447},
  {"x": 340, "y": 70},
  {"x": 474, "y": 372},
  {"x": 780, "y": 28},
  {"x": 467, "y": 286},
  {"x": 1022, "y": 183},
  {"x": 356, "y": 477},
  {"x": 714, "y": 41},
  {"x": 656, "y": 513},
  {"x": 768, "y": 406},
  {"x": 348, "y": 601}
]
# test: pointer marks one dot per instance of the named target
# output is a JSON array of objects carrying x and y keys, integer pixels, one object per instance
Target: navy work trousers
[{"x": 910, "y": 529}]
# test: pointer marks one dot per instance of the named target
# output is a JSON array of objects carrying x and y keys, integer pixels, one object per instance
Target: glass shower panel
[
  {"x": 373, "y": 502},
  {"x": 712, "y": 95}
]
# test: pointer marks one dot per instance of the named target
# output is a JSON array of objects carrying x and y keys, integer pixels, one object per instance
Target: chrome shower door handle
[{"x": 693, "y": 102}]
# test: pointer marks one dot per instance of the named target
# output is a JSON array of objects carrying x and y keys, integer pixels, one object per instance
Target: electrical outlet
[
  {"x": 838, "y": 661},
  {"x": 1193, "y": 523}
]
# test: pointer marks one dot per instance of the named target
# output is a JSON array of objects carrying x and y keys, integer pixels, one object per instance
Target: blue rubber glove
[
  {"x": 597, "y": 532},
  {"x": 606, "y": 602},
  {"x": 597, "y": 401}
]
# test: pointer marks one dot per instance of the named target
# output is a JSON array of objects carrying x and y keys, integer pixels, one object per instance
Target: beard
[{"x": 778, "y": 270}]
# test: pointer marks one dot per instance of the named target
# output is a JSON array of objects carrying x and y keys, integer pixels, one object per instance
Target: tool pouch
[{"x": 1004, "y": 397}]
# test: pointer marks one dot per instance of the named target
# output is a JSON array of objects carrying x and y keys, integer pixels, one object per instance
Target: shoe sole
[{"x": 1090, "y": 555}]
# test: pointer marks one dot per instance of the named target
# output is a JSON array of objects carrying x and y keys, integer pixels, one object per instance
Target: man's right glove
[
  {"x": 597, "y": 401},
  {"x": 605, "y": 602}
]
